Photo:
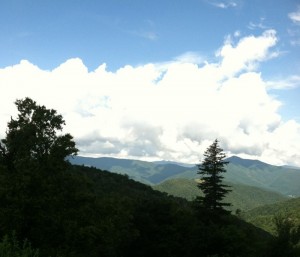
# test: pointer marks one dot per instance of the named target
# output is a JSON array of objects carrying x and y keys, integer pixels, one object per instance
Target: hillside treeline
[
  {"x": 88, "y": 212},
  {"x": 51, "y": 208}
]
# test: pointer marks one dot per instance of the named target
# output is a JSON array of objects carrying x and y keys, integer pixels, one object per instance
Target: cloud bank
[{"x": 170, "y": 111}]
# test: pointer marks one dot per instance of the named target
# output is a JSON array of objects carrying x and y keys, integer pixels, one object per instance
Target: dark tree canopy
[
  {"x": 32, "y": 138},
  {"x": 211, "y": 179},
  {"x": 33, "y": 162},
  {"x": 58, "y": 209}
]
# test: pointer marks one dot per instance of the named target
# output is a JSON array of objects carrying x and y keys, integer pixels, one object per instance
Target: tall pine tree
[{"x": 211, "y": 185}]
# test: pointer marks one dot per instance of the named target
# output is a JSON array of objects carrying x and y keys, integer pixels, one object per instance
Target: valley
[{"x": 259, "y": 190}]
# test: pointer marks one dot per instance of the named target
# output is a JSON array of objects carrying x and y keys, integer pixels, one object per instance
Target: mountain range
[{"x": 281, "y": 179}]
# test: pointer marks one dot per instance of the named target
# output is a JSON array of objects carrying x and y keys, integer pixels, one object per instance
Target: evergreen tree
[{"x": 211, "y": 179}]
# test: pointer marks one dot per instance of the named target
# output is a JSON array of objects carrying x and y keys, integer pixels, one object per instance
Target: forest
[{"x": 49, "y": 207}]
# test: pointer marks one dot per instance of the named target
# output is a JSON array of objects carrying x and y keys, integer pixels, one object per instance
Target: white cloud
[
  {"x": 295, "y": 31},
  {"x": 295, "y": 16},
  {"x": 147, "y": 32},
  {"x": 237, "y": 33},
  {"x": 143, "y": 33},
  {"x": 223, "y": 4},
  {"x": 148, "y": 35},
  {"x": 190, "y": 57},
  {"x": 247, "y": 53},
  {"x": 258, "y": 25},
  {"x": 295, "y": 42},
  {"x": 169, "y": 111},
  {"x": 287, "y": 83}
]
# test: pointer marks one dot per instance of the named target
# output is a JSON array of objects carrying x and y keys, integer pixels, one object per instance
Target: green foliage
[
  {"x": 105, "y": 214},
  {"x": 32, "y": 142},
  {"x": 246, "y": 197},
  {"x": 284, "y": 180},
  {"x": 11, "y": 247},
  {"x": 263, "y": 216},
  {"x": 211, "y": 179},
  {"x": 32, "y": 169},
  {"x": 241, "y": 197},
  {"x": 76, "y": 211},
  {"x": 287, "y": 240}
]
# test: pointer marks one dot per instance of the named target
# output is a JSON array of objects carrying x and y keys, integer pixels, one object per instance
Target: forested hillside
[
  {"x": 256, "y": 173},
  {"x": 241, "y": 197},
  {"x": 84, "y": 211},
  {"x": 50, "y": 208},
  {"x": 264, "y": 216}
]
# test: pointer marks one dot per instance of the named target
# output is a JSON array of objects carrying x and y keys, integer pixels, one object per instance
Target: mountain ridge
[{"x": 240, "y": 171}]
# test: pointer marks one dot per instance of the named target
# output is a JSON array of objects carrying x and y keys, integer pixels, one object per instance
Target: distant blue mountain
[
  {"x": 247, "y": 163},
  {"x": 176, "y": 163},
  {"x": 281, "y": 179},
  {"x": 146, "y": 172},
  {"x": 104, "y": 163}
]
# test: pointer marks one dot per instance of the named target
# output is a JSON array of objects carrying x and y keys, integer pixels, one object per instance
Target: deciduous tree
[
  {"x": 33, "y": 179},
  {"x": 32, "y": 138}
]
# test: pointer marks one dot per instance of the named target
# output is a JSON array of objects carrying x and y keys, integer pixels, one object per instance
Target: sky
[{"x": 159, "y": 80}]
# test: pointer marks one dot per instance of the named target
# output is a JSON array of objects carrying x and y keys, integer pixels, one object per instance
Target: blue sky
[
  {"x": 109, "y": 51},
  {"x": 137, "y": 31}
]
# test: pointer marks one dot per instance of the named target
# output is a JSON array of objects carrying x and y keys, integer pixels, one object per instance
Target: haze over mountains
[{"x": 281, "y": 179}]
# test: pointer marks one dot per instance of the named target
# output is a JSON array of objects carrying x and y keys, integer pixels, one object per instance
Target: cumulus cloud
[
  {"x": 169, "y": 111},
  {"x": 247, "y": 53}
]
